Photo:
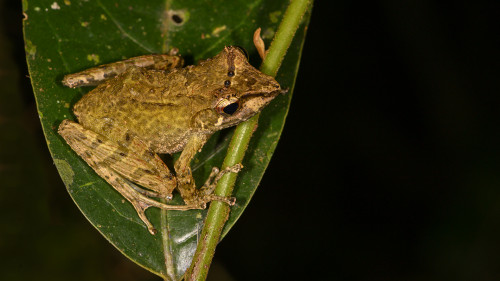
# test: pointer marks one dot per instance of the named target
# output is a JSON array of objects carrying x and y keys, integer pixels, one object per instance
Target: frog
[{"x": 150, "y": 105}]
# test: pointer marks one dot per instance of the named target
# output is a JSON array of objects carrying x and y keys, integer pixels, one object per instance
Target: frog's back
[{"x": 153, "y": 105}]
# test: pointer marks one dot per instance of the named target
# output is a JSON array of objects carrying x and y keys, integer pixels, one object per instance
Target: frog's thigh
[
  {"x": 130, "y": 163},
  {"x": 96, "y": 75}
]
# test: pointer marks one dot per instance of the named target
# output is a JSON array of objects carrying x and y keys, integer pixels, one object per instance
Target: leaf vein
[
  {"x": 120, "y": 213},
  {"x": 122, "y": 30},
  {"x": 212, "y": 155}
]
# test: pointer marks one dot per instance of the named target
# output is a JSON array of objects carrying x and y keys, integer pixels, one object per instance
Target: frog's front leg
[
  {"x": 186, "y": 184},
  {"x": 215, "y": 176},
  {"x": 120, "y": 165},
  {"x": 96, "y": 75}
]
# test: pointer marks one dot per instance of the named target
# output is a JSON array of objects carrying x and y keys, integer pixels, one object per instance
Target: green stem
[
  {"x": 218, "y": 212},
  {"x": 167, "y": 250}
]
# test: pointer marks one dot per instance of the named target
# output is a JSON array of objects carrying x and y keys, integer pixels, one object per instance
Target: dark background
[{"x": 388, "y": 167}]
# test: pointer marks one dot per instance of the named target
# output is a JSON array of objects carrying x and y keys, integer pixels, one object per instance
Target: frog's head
[{"x": 245, "y": 91}]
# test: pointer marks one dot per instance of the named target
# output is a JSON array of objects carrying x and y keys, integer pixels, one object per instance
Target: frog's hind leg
[
  {"x": 134, "y": 162},
  {"x": 117, "y": 165},
  {"x": 96, "y": 75}
]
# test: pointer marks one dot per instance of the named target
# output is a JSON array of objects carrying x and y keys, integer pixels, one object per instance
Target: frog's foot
[
  {"x": 215, "y": 176},
  {"x": 141, "y": 203},
  {"x": 228, "y": 200}
]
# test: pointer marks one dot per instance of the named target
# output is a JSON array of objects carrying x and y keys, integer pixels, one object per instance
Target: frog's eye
[
  {"x": 243, "y": 51},
  {"x": 227, "y": 106}
]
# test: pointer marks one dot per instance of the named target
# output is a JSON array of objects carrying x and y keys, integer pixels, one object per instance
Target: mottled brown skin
[{"x": 128, "y": 119}]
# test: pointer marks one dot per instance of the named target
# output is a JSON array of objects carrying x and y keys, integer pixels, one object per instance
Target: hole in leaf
[{"x": 178, "y": 17}]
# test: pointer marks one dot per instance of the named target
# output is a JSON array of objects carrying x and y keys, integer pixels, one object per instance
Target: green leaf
[{"x": 63, "y": 37}]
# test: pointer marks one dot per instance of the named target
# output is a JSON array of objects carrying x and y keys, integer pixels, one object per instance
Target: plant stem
[
  {"x": 167, "y": 250},
  {"x": 218, "y": 212}
]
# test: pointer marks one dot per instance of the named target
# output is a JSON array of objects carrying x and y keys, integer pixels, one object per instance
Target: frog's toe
[{"x": 228, "y": 200}]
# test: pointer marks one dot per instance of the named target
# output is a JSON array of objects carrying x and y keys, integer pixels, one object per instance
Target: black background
[{"x": 388, "y": 167}]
